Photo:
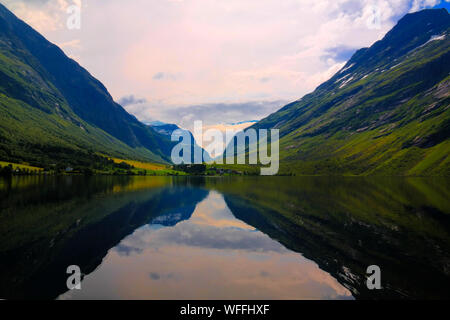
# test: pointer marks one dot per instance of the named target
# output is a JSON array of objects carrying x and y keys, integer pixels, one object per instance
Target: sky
[{"x": 219, "y": 61}]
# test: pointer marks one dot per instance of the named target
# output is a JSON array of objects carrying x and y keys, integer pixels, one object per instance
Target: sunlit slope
[{"x": 385, "y": 113}]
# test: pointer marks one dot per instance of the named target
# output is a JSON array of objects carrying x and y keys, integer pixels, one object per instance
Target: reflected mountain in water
[
  {"x": 212, "y": 255},
  {"x": 44, "y": 230},
  {"x": 347, "y": 224},
  {"x": 259, "y": 237}
]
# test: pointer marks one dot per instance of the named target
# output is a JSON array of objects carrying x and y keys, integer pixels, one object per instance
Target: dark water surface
[{"x": 224, "y": 238}]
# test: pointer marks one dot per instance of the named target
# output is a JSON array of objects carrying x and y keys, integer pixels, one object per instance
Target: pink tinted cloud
[{"x": 182, "y": 53}]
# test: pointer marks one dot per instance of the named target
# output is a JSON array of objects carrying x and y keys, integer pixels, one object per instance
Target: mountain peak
[
  {"x": 411, "y": 32},
  {"x": 390, "y": 99},
  {"x": 426, "y": 14},
  {"x": 421, "y": 22}
]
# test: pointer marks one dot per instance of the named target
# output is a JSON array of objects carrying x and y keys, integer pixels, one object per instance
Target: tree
[
  {"x": 7, "y": 171},
  {"x": 88, "y": 172}
]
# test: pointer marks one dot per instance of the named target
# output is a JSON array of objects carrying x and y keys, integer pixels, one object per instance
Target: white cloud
[
  {"x": 421, "y": 4},
  {"x": 71, "y": 44},
  {"x": 197, "y": 52},
  {"x": 44, "y": 15}
]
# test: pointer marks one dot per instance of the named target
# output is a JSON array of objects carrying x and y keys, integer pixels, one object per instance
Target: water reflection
[
  {"x": 211, "y": 255},
  {"x": 238, "y": 238}
]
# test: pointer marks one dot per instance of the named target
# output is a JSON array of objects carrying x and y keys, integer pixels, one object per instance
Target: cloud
[
  {"x": 421, "y": 4},
  {"x": 219, "y": 116},
  {"x": 209, "y": 227},
  {"x": 131, "y": 100},
  {"x": 124, "y": 250},
  {"x": 76, "y": 43},
  {"x": 205, "y": 236},
  {"x": 184, "y": 56},
  {"x": 210, "y": 113},
  {"x": 154, "y": 276},
  {"x": 339, "y": 53},
  {"x": 165, "y": 76},
  {"x": 158, "y": 76},
  {"x": 43, "y": 15}
]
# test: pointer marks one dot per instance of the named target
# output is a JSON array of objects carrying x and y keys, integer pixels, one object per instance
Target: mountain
[
  {"x": 90, "y": 226},
  {"x": 386, "y": 112},
  {"x": 52, "y": 109},
  {"x": 167, "y": 129},
  {"x": 345, "y": 224}
]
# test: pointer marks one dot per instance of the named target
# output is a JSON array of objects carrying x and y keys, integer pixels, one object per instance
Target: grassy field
[
  {"x": 19, "y": 166},
  {"x": 238, "y": 169},
  {"x": 142, "y": 165},
  {"x": 138, "y": 168},
  {"x": 149, "y": 168}
]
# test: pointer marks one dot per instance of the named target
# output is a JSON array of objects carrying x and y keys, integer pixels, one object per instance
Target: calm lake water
[{"x": 224, "y": 238}]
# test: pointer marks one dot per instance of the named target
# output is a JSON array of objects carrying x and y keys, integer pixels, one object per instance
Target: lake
[{"x": 224, "y": 237}]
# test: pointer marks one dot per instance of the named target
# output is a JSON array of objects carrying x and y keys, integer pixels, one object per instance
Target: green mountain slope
[
  {"x": 52, "y": 109},
  {"x": 385, "y": 113}
]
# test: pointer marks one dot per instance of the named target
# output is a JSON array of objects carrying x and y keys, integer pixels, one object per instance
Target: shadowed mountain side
[
  {"x": 347, "y": 225},
  {"x": 56, "y": 107},
  {"x": 80, "y": 229}
]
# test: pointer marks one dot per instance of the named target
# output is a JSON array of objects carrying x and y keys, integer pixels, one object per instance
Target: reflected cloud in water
[
  {"x": 212, "y": 255},
  {"x": 230, "y": 238}
]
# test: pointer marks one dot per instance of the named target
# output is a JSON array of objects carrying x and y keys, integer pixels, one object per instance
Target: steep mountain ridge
[
  {"x": 384, "y": 113},
  {"x": 37, "y": 80}
]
